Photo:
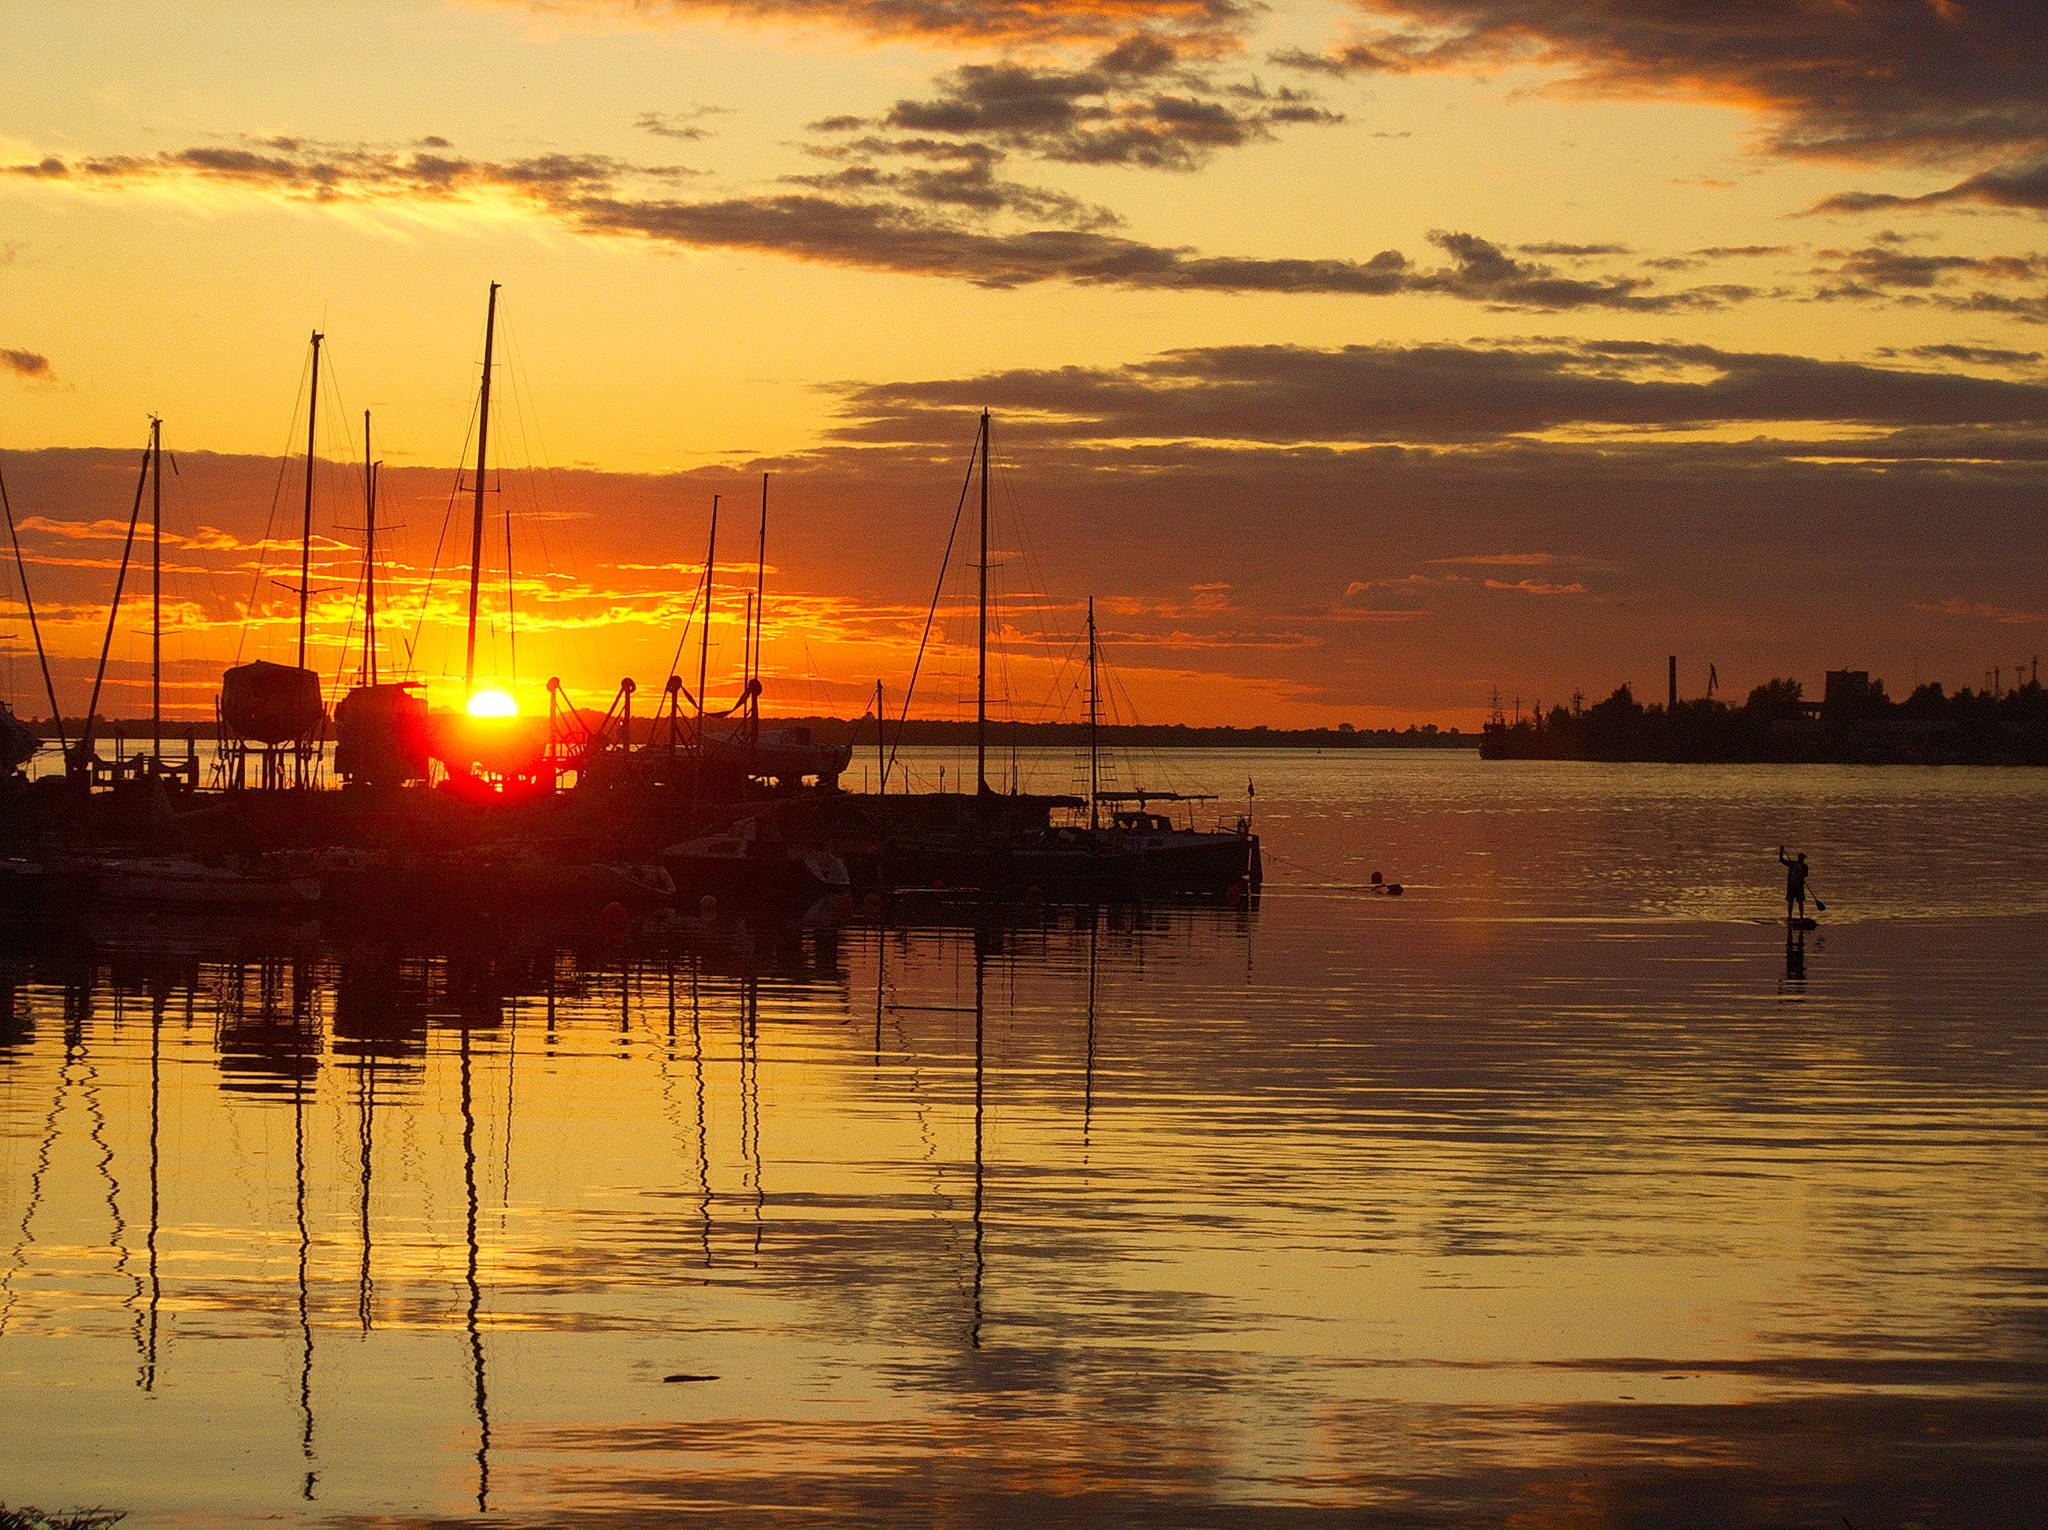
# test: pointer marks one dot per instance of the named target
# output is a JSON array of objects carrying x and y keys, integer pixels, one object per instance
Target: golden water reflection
[{"x": 1337, "y": 1209}]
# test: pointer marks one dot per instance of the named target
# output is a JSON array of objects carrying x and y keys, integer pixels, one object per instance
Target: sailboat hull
[{"x": 1178, "y": 861}]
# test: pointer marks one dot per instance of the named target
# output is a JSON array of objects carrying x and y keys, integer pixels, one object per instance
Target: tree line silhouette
[{"x": 1856, "y": 723}]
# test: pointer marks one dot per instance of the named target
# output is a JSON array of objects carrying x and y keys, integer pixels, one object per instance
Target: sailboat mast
[
  {"x": 156, "y": 588},
  {"x": 981, "y": 637},
  {"x": 1094, "y": 722},
  {"x": 476, "y": 530},
  {"x": 369, "y": 558},
  {"x": 306, "y": 528},
  {"x": 704, "y": 642},
  {"x": 760, "y": 599}
]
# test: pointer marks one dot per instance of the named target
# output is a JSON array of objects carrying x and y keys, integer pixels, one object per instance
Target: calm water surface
[{"x": 1557, "y": 1191}]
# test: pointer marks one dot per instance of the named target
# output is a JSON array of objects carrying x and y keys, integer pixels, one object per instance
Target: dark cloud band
[
  {"x": 1456, "y": 394},
  {"x": 910, "y": 234},
  {"x": 1875, "y": 79}
]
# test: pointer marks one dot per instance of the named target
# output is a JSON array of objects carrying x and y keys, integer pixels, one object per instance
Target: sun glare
[{"x": 492, "y": 704}]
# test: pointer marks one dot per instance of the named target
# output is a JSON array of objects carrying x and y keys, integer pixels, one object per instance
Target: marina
[{"x": 484, "y": 807}]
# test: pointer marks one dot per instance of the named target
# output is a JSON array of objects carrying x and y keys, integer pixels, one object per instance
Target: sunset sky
[{"x": 1359, "y": 356}]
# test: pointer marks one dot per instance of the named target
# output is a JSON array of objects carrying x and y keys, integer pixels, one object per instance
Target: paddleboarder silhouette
[{"x": 1795, "y": 883}]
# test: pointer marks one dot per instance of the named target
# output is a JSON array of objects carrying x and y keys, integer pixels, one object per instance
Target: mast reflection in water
[{"x": 1535, "y": 1190}]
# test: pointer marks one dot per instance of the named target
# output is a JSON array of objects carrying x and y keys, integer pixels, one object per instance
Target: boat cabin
[{"x": 1132, "y": 821}]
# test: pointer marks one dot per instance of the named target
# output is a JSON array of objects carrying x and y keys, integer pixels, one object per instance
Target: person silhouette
[{"x": 1795, "y": 883}]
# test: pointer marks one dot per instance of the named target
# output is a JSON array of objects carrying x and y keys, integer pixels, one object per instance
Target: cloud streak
[
  {"x": 602, "y": 196},
  {"x": 309, "y": 170},
  {"x": 983, "y": 23},
  {"x": 884, "y": 237},
  {"x": 26, "y": 363},
  {"x": 2003, "y": 616},
  {"x": 1445, "y": 394},
  {"x": 686, "y": 127},
  {"x": 2017, "y": 188},
  {"x": 1887, "y": 271}
]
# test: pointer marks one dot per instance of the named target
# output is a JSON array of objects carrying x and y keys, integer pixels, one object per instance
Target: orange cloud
[
  {"x": 1536, "y": 587},
  {"x": 1955, "y": 605},
  {"x": 979, "y": 23}
]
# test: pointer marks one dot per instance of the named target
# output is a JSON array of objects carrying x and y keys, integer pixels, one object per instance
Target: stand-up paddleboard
[{"x": 1802, "y": 924}]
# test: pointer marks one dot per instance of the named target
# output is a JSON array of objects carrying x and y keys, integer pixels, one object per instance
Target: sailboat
[
  {"x": 487, "y": 747},
  {"x": 380, "y": 729},
  {"x": 1136, "y": 848},
  {"x": 385, "y": 735},
  {"x": 996, "y": 844},
  {"x": 279, "y": 705}
]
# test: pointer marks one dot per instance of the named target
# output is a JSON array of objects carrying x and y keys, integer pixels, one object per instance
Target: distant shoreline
[
  {"x": 1856, "y": 724},
  {"x": 933, "y": 733}
]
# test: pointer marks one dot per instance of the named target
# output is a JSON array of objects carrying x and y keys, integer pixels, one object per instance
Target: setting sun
[{"x": 492, "y": 704}]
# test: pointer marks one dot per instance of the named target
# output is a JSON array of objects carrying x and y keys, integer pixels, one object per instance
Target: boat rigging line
[
  {"x": 310, "y": 382},
  {"x": 306, "y": 532},
  {"x": 284, "y": 462},
  {"x": 84, "y": 752},
  {"x": 704, "y": 644},
  {"x": 938, "y": 589},
  {"x": 36, "y": 631}
]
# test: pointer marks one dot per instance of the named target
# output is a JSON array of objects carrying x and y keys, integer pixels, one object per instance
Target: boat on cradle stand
[
  {"x": 171, "y": 882},
  {"x": 744, "y": 865},
  {"x": 465, "y": 882}
]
